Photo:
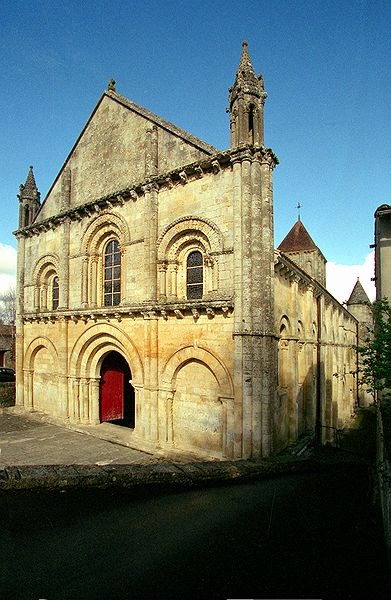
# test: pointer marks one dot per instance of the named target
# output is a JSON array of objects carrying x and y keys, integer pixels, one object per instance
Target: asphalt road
[{"x": 301, "y": 536}]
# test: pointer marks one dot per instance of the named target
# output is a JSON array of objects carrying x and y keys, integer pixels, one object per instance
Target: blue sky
[{"x": 326, "y": 67}]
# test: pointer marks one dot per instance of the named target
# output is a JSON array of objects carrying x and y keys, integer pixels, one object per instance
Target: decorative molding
[
  {"x": 181, "y": 176},
  {"x": 166, "y": 310}
]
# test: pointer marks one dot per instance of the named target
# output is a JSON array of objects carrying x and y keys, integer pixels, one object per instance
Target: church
[{"x": 151, "y": 298}]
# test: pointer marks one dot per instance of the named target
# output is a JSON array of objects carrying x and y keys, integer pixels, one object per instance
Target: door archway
[{"x": 116, "y": 395}]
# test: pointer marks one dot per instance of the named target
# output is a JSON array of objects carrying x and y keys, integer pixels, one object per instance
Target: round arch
[
  {"x": 49, "y": 262},
  {"x": 190, "y": 225},
  {"x": 203, "y": 356},
  {"x": 95, "y": 343},
  {"x": 41, "y": 377},
  {"x": 34, "y": 347},
  {"x": 102, "y": 228}
]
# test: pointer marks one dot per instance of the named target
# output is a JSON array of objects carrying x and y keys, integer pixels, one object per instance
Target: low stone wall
[{"x": 7, "y": 394}]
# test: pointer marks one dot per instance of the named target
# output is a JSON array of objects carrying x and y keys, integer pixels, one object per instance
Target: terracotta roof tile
[{"x": 297, "y": 239}]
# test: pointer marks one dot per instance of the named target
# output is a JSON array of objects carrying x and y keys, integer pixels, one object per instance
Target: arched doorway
[{"x": 116, "y": 398}]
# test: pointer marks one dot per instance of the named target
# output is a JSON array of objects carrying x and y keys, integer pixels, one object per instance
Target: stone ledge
[{"x": 161, "y": 473}]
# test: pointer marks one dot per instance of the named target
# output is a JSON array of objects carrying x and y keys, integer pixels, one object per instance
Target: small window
[
  {"x": 112, "y": 274},
  {"x": 194, "y": 275},
  {"x": 55, "y": 293}
]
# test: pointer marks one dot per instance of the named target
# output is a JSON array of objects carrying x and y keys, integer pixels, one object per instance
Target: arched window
[
  {"x": 112, "y": 274},
  {"x": 194, "y": 275},
  {"x": 55, "y": 293}
]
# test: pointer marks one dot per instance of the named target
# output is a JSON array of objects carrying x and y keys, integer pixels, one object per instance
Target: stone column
[
  {"x": 94, "y": 400},
  {"x": 139, "y": 428},
  {"x": 162, "y": 279},
  {"x": 94, "y": 281},
  {"x": 64, "y": 265},
  {"x": 172, "y": 278},
  {"x": 151, "y": 226},
  {"x": 74, "y": 412},
  {"x": 28, "y": 383},
  {"x": 84, "y": 282},
  {"x": 44, "y": 297}
]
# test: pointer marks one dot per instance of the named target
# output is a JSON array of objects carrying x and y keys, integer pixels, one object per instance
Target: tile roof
[
  {"x": 297, "y": 239},
  {"x": 358, "y": 295}
]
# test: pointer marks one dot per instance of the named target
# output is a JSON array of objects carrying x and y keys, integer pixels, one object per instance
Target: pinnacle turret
[
  {"x": 246, "y": 100},
  {"x": 29, "y": 189},
  {"x": 29, "y": 200}
]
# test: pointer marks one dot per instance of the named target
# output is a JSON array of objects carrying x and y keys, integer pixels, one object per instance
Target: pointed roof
[
  {"x": 246, "y": 79},
  {"x": 29, "y": 189},
  {"x": 297, "y": 240},
  {"x": 358, "y": 295}
]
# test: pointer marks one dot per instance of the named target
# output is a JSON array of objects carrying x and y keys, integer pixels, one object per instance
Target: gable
[{"x": 120, "y": 146}]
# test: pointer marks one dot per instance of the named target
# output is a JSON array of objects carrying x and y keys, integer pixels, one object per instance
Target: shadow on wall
[
  {"x": 316, "y": 407},
  {"x": 7, "y": 394}
]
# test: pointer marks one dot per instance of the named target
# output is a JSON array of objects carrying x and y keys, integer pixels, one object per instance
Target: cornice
[
  {"x": 177, "y": 177},
  {"x": 159, "y": 309},
  {"x": 288, "y": 270}
]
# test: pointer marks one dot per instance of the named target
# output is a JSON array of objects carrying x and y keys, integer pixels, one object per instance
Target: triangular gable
[{"x": 111, "y": 152}]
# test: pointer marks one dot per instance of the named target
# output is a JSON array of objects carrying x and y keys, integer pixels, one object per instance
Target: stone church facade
[{"x": 150, "y": 295}]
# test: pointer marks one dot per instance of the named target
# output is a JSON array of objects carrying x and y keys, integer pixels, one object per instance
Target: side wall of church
[{"x": 317, "y": 387}]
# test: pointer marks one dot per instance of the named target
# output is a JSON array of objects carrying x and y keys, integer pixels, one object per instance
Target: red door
[{"x": 111, "y": 389}]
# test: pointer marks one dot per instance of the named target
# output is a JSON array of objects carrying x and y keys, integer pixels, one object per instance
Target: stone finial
[{"x": 111, "y": 86}]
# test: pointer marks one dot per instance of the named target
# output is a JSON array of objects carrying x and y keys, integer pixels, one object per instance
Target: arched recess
[
  {"x": 86, "y": 358},
  {"x": 202, "y": 355},
  {"x": 45, "y": 272},
  {"x": 199, "y": 403},
  {"x": 99, "y": 232},
  {"x": 41, "y": 377},
  {"x": 284, "y": 327},
  {"x": 177, "y": 241}
]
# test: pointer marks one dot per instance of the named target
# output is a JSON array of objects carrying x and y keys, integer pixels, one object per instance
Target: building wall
[
  {"x": 383, "y": 251},
  {"x": 180, "y": 353},
  {"x": 317, "y": 388}
]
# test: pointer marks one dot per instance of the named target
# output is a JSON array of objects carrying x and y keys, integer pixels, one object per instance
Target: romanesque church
[{"x": 150, "y": 296}]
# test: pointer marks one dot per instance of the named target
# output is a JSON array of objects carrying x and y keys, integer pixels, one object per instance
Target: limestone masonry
[{"x": 150, "y": 295}]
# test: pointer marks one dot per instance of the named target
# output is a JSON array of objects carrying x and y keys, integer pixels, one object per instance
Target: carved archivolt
[
  {"x": 46, "y": 265},
  {"x": 102, "y": 228},
  {"x": 174, "y": 245},
  {"x": 190, "y": 228},
  {"x": 44, "y": 273},
  {"x": 90, "y": 348}
]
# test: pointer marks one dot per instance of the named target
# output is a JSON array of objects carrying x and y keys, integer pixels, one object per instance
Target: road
[{"x": 302, "y": 536}]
